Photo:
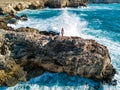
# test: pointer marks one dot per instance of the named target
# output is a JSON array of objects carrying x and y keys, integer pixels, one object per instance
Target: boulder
[
  {"x": 4, "y": 21},
  {"x": 10, "y": 72},
  {"x": 12, "y": 21},
  {"x": 19, "y": 7},
  {"x": 57, "y": 3},
  {"x": 38, "y": 53},
  {"x": 37, "y": 4},
  {"x": 24, "y": 17},
  {"x": 9, "y": 9},
  {"x": 65, "y": 3}
]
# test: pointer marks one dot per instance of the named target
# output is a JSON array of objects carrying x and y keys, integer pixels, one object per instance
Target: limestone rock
[
  {"x": 36, "y": 4},
  {"x": 24, "y": 17},
  {"x": 65, "y": 3},
  {"x": 4, "y": 22},
  {"x": 57, "y": 3},
  {"x": 11, "y": 8}
]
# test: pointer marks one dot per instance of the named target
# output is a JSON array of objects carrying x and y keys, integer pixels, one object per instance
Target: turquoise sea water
[{"x": 100, "y": 22}]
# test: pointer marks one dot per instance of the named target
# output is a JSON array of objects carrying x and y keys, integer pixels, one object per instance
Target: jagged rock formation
[
  {"x": 10, "y": 72},
  {"x": 37, "y": 53},
  {"x": 104, "y": 1},
  {"x": 12, "y": 6},
  {"x": 65, "y": 3},
  {"x": 76, "y": 3}
]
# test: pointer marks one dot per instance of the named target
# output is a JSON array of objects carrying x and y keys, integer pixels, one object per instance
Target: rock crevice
[{"x": 12, "y": 7}]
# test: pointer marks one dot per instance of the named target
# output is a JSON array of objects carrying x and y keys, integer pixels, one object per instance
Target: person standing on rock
[{"x": 62, "y": 32}]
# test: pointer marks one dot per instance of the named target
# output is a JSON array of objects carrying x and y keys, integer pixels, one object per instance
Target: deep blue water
[{"x": 100, "y": 22}]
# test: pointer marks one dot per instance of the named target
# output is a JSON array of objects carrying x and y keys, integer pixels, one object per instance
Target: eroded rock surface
[
  {"x": 10, "y": 72},
  {"x": 12, "y": 6},
  {"x": 37, "y": 53}
]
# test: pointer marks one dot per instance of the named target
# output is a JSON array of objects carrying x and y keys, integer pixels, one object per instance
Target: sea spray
[{"x": 71, "y": 23}]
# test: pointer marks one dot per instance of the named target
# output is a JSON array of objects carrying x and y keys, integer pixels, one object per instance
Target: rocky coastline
[
  {"x": 12, "y": 6},
  {"x": 27, "y": 52}
]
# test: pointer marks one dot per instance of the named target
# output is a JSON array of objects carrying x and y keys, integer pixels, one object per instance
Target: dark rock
[
  {"x": 12, "y": 21},
  {"x": 114, "y": 82},
  {"x": 24, "y": 17},
  {"x": 19, "y": 7},
  {"x": 17, "y": 17},
  {"x": 10, "y": 72}
]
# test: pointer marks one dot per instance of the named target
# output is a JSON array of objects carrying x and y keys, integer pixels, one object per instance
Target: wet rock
[
  {"x": 24, "y": 17},
  {"x": 49, "y": 33},
  {"x": 37, "y": 4},
  {"x": 12, "y": 21},
  {"x": 11, "y": 8},
  {"x": 114, "y": 82}
]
